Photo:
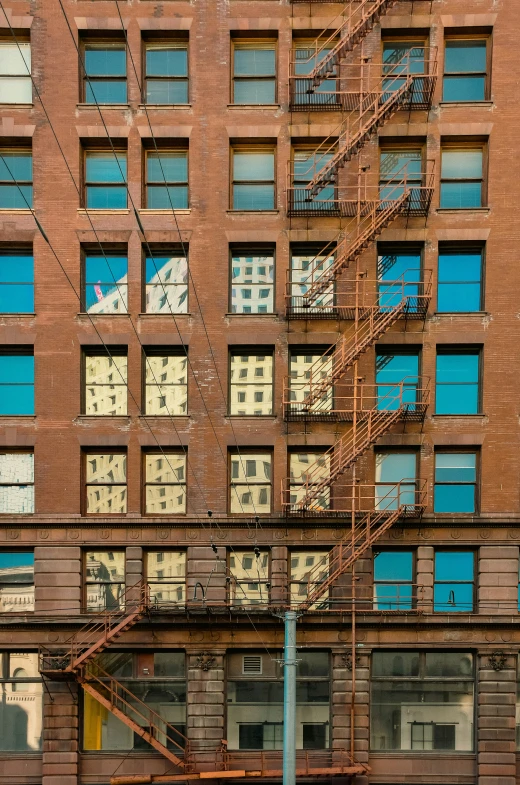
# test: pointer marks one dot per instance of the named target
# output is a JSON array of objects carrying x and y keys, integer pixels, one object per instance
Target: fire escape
[{"x": 332, "y": 74}]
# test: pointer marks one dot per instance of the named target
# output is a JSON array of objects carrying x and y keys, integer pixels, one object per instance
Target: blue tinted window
[
  {"x": 166, "y": 75},
  {"x": 105, "y": 82},
  {"x": 253, "y": 180},
  {"x": 455, "y": 482},
  {"x": 15, "y": 180},
  {"x": 106, "y": 284},
  {"x": 254, "y": 72},
  {"x": 461, "y": 179},
  {"x": 104, "y": 173},
  {"x": 393, "y": 580},
  {"x": 453, "y": 581},
  {"x": 459, "y": 281},
  {"x": 399, "y": 274},
  {"x": 167, "y": 180},
  {"x": 395, "y": 479},
  {"x": 16, "y": 283},
  {"x": 457, "y": 383},
  {"x": 16, "y": 384},
  {"x": 397, "y": 378},
  {"x": 465, "y": 70}
]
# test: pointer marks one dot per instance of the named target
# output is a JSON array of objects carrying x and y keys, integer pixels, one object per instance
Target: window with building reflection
[
  {"x": 422, "y": 701},
  {"x": 21, "y": 704},
  {"x": 16, "y": 581},
  {"x": 255, "y": 701},
  {"x": 250, "y": 383},
  {"x": 249, "y": 574},
  {"x": 105, "y": 475},
  {"x": 104, "y": 580},
  {"x": 305, "y": 469},
  {"x": 250, "y": 482},
  {"x": 105, "y": 283},
  {"x": 166, "y": 577},
  {"x": 396, "y": 472},
  {"x": 165, "y": 483},
  {"x": 252, "y": 281},
  {"x": 308, "y": 569},
  {"x": 105, "y": 383},
  {"x": 166, "y": 287},
  {"x": 151, "y": 689},
  {"x": 16, "y": 482},
  {"x": 308, "y": 266},
  {"x": 306, "y": 370},
  {"x": 166, "y": 382}
]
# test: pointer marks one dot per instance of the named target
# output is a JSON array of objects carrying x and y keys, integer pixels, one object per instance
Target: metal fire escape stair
[{"x": 358, "y": 21}]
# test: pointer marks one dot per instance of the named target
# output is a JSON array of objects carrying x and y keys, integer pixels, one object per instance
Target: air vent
[{"x": 252, "y": 665}]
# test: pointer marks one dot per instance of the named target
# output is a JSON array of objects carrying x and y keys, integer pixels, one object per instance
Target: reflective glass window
[
  {"x": 306, "y": 370},
  {"x": 305, "y": 469},
  {"x": 15, "y": 72},
  {"x": 307, "y": 164},
  {"x": 253, "y": 179},
  {"x": 16, "y": 179},
  {"x": 251, "y": 482},
  {"x": 462, "y": 179},
  {"x": 397, "y": 380},
  {"x": 165, "y": 483},
  {"x": 455, "y": 482},
  {"x": 16, "y": 382},
  {"x": 105, "y": 180},
  {"x": 254, "y": 73},
  {"x": 252, "y": 281},
  {"x": 250, "y": 383},
  {"x": 166, "y": 383},
  {"x": 167, "y": 180},
  {"x": 249, "y": 572},
  {"x": 106, "y": 283},
  {"x": 304, "y": 92},
  {"x": 106, "y": 490},
  {"x": 16, "y": 581},
  {"x": 453, "y": 587},
  {"x": 459, "y": 280},
  {"x": 166, "y": 79},
  {"x": 399, "y": 275},
  {"x": 166, "y": 284},
  {"x": 21, "y": 703},
  {"x": 465, "y": 70},
  {"x": 104, "y": 579},
  {"x": 393, "y": 576},
  {"x": 16, "y": 282},
  {"x": 307, "y": 570},
  {"x": 105, "y": 391},
  {"x": 457, "y": 387},
  {"x": 166, "y": 576},
  {"x": 395, "y": 479},
  {"x": 105, "y": 74}
]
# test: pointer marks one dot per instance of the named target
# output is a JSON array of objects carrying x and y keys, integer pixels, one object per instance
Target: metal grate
[{"x": 252, "y": 665}]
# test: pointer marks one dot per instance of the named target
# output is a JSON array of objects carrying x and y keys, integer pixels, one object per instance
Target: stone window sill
[
  {"x": 253, "y": 107},
  {"x": 102, "y": 106},
  {"x": 96, "y": 211},
  {"x": 457, "y": 210},
  {"x": 465, "y": 104},
  {"x": 169, "y": 107},
  {"x": 253, "y": 212},
  {"x": 149, "y": 211}
]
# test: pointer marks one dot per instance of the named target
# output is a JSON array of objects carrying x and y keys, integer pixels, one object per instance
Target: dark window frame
[
  {"x": 460, "y": 249},
  {"x": 448, "y": 349},
  {"x": 252, "y": 250},
  {"x": 238, "y": 351},
  {"x": 85, "y": 452},
  {"x": 177, "y": 41},
  {"x": 244, "y": 452},
  {"x": 166, "y": 451},
  {"x": 20, "y": 350},
  {"x": 476, "y": 451},
  {"x": 470, "y": 146},
  {"x": 170, "y": 581},
  {"x": 101, "y": 351},
  {"x": 415, "y": 599},
  {"x": 19, "y": 149},
  {"x": 151, "y": 152},
  {"x": 252, "y": 148},
  {"x": 86, "y": 583},
  {"x": 22, "y": 583},
  {"x": 107, "y": 250},
  {"x": 161, "y": 252},
  {"x": 235, "y": 583},
  {"x": 474, "y": 582},
  {"x": 91, "y": 149},
  {"x": 163, "y": 351},
  {"x": 19, "y": 249},
  {"x": 20, "y": 451},
  {"x": 103, "y": 41}
]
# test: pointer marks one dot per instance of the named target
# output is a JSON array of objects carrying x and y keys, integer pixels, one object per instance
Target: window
[
  {"x": 104, "y": 75},
  {"x": 15, "y": 72},
  {"x": 465, "y": 69},
  {"x": 457, "y": 382},
  {"x": 16, "y": 581},
  {"x": 105, "y": 383},
  {"x": 400, "y": 170},
  {"x": 462, "y": 178},
  {"x": 249, "y": 573},
  {"x": 399, "y": 273},
  {"x": 105, "y": 283},
  {"x": 16, "y": 177},
  {"x": 459, "y": 280},
  {"x": 21, "y": 706},
  {"x": 166, "y": 288},
  {"x": 166, "y": 577},
  {"x": 254, "y": 72},
  {"x": 307, "y": 369},
  {"x": 308, "y": 569},
  {"x": 252, "y": 281},
  {"x": 16, "y": 482},
  {"x": 250, "y": 383},
  {"x": 165, "y": 483},
  {"x": 411, "y": 689},
  {"x": 251, "y": 483},
  {"x": 401, "y": 58},
  {"x": 307, "y": 163},
  {"x": 16, "y": 282},
  {"x": 397, "y": 380},
  {"x": 16, "y": 381},
  {"x": 105, "y": 180},
  {"x": 454, "y": 575},
  {"x": 154, "y": 678},
  {"x": 253, "y": 179},
  {"x": 306, "y": 468},
  {"x": 304, "y": 93},
  {"x": 167, "y": 180},
  {"x": 455, "y": 482},
  {"x": 166, "y": 382},
  {"x": 393, "y": 576},
  {"x": 308, "y": 265},
  {"x": 396, "y": 483},
  {"x": 105, "y": 479},
  {"x": 166, "y": 73},
  {"x": 255, "y": 702},
  {"x": 104, "y": 580}
]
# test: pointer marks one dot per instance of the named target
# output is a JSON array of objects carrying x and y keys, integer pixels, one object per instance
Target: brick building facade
[{"x": 262, "y": 275}]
